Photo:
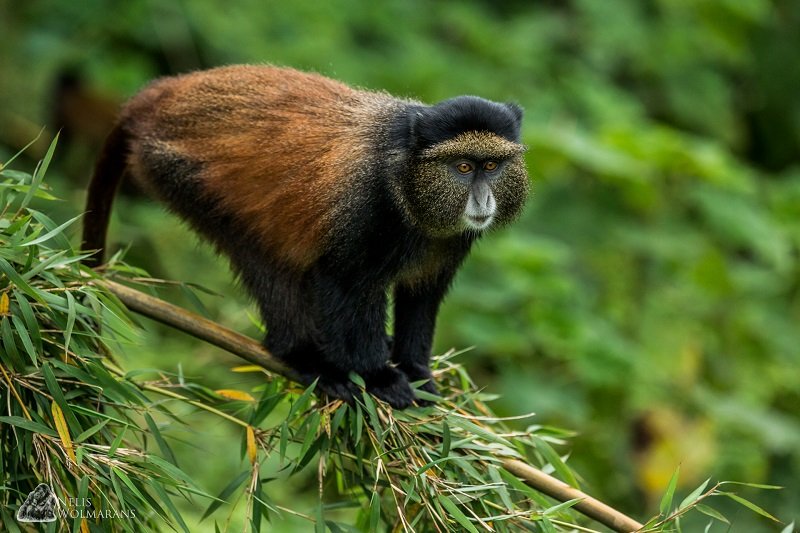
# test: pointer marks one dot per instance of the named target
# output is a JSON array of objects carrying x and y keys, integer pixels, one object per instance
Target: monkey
[{"x": 328, "y": 201}]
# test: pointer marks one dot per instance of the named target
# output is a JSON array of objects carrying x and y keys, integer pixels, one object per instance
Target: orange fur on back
[{"x": 278, "y": 146}]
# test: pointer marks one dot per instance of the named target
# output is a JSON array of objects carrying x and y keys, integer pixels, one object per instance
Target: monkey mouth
[{"x": 478, "y": 221}]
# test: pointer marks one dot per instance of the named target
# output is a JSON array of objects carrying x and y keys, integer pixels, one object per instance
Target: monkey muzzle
[{"x": 481, "y": 205}]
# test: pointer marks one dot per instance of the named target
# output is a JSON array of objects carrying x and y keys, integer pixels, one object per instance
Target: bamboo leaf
[
  {"x": 750, "y": 505},
  {"x": 91, "y": 431},
  {"x": 555, "y": 461},
  {"x": 16, "y": 279},
  {"x": 456, "y": 513},
  {"x": 63, "y": 431},
  {"x": 27, "y": 343},
  {"x": 445, "y": 439},
  {"x": 247, "y": 368},
  {"x": 83, "y": 493},
  {"x": 713, "y": 513},
  {"x": 5, "y": 165},
  {"x": 694, "y": 494},
  {"x": 223, "y": 496},
  {"x": 666, "y": 500},
  {"x": 127, "y": 480},
  {"x": 70, "y": 322},
  {"x": 30, "y": 320},
  {"x": 116, "y": 442},
  {"x": 562, "y": 506},
  {"x": 233, "y": 394},
  {"x": 50, "y": 234},
  {"x": 58, "y": 396},
  {"x": 158, "y": 487},
  {"x": 162, "y": 444},
  {"x": 29, "y": 425},
  {"x": 252, "y": 451}
]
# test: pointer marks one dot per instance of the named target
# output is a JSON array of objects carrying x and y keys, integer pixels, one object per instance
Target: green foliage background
[{"x": 650, "y": 296}]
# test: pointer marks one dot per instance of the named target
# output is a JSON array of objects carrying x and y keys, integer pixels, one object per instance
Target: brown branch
[{"x": 255, "y": 353}]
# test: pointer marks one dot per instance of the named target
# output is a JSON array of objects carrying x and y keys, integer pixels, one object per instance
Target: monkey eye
[
  {"x": 464, "y": 168},
  {"x": 490, "y": 166}
]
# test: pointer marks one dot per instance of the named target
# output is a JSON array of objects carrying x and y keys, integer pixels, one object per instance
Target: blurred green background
[{"x": 649, "y": 299}]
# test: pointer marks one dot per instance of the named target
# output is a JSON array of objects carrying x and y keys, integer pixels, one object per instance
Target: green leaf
[
  {"x": 750, "y": 505},
  {"x": 374, "y": 511},
  {"x": 713, "y": 513},
  {"x": 38, "y": 174},
  {"x": 445, "y": 439},
  {"x": 753, "y": 485},
  {"x": 456, "y": 513},
  {"x": 694, "y": 494},
  {"x": 166, "y": 500},
  {"x": 319, "y": 521},
  {"x": 83, "y": 493},
  {"x": 5, "y": 165},
  {"x": 284, "y": 441},
  {"x": 58, "y": 396},
  {"x": 70, "y": 320},
  {"x": 50, "y": 234},
  {"x": 562, "y": 506},
  {"x": 375, "y": 422},
  {"x": 30, "y": 320},
  {"x": 91, "y": 431},
  {"x": 223, "y": 496},
  {"x": 27, "y": 343},
  {"x": 9, "y": 343},
  {"x": 29, "y": 425},
  {"x": 21, "y": 284},
  {"x": 300, "y": 405},
  {"x": 162, "y": 444},
  {"x": 125, "y": 479},
  {"x": 116, "y": 442},
  {"x": 666, "y": 500},
  {"x": 555, "y": 461}
]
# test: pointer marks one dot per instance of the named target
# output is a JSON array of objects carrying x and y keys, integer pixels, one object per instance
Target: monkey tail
[{"x": 107, "y": 176}]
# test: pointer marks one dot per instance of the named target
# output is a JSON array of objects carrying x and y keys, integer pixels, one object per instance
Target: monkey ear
[
  {"x": 416, "y": 125},
  {"x": 516, "y": 110}
]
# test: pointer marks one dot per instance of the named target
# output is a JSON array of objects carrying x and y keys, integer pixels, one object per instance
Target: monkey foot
[
  {"x": 391, "y": 386},
  {"x": 414, "y": 373}
]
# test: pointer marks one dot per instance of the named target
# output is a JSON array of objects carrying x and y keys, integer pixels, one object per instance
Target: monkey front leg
[
  {"x": 351, "y": 326},
  {"x": 415, "y": 310}
]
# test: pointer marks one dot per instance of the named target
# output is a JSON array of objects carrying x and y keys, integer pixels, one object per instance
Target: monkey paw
[
  {"x": 415, "y": 372},
  {"x": 340, "y": 389},
  {"x": 391, "y": 386}
]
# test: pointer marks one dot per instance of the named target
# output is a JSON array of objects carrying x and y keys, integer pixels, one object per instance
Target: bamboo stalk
[{"x": 253, "y": 352}]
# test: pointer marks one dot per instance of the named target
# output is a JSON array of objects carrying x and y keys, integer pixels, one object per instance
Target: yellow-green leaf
[
  {"x": 232, "y": 394},
  {"x": 251, "y": 445},
  {"x": 247, "y": 368},
  {"x": 63, "y": 431}
]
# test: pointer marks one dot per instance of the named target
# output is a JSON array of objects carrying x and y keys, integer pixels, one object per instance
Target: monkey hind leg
[
  {"x": 335, "y": 380},
  {"x": 326, "y": 332}
]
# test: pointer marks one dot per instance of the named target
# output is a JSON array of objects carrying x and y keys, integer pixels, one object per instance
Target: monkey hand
[
  {"x": 417, "y": 372},
  {"x": 391, "y": 386}
]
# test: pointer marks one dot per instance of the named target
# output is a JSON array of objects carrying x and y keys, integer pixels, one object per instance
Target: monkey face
[{"x": 472, "y": 182}]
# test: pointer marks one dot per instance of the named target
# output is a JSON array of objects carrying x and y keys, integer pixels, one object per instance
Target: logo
[
  {"x": 42, "y": 505},
  {"x": 39, "y": 506}
]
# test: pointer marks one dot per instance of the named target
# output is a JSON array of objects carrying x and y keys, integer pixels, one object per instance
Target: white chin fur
[{"x": 477, "y": 224}]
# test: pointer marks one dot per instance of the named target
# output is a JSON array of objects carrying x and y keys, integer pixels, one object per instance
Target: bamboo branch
[{"x": 255, "y": 353}]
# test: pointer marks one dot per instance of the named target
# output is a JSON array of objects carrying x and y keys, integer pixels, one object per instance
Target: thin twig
[{"x": 253, "y": 352}]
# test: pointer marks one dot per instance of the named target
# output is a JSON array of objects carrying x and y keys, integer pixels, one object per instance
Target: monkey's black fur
[
  {"x": 344, "y": 293},
  {"x": 445, "y": 120},
  {"x": 325, "y": 309}
]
